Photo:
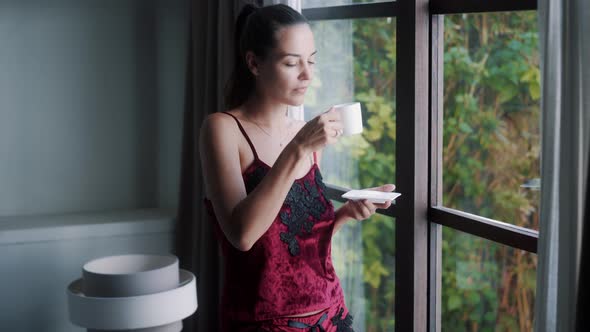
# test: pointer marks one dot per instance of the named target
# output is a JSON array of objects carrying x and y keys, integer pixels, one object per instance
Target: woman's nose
[{"x": 306, "y": 73}]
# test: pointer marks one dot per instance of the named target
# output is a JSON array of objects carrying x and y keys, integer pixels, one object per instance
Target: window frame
[
  {"x": 491, "y": 229},
  {"x": 420, "y": 214}
]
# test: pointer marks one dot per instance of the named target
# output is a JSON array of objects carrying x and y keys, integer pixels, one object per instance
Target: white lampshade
[{"x": 132, "y": 292}]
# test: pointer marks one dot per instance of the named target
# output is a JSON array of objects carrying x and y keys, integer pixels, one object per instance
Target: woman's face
[{"x": 288, "y": 70}]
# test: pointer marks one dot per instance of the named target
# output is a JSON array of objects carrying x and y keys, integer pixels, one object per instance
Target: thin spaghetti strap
[
  {"x": 244, "y": 133},
  {"x": 315, "y": 159}
]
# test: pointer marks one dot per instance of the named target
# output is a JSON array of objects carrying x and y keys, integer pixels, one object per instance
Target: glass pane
[
  {"x": 364, "y": 259},
  {"x": 356, "y": 62},
  {"x": 330, "y": 3},
  {"x": 491, "y": 140},
  {"x": 486, "y": 286}
]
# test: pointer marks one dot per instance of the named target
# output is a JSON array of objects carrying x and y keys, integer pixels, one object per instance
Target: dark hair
[{"x": 255, "y": 31}]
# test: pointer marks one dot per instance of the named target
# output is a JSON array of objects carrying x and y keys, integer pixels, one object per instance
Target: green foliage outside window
[
  {"x": 490, "y": 147},
  {"x": 374, "y": 51}
]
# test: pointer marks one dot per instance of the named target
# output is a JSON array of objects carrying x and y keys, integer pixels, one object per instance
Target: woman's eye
[
  {"x": 291, "y": 64},
  {"x": 311, "y": 62}
]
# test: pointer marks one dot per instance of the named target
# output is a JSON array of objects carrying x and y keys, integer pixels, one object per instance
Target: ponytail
[{"x": 238, "y": 87}]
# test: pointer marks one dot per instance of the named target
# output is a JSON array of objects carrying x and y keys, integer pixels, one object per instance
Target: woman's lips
[{"x": 300, "y": 90}]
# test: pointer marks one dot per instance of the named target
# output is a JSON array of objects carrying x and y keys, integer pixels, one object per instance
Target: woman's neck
[{"x": 265, "y": 113}]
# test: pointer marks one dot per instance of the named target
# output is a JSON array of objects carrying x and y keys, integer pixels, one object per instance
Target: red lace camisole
[{"x": 289, "y": 270}]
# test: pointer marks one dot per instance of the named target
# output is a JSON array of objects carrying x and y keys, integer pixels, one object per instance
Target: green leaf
[
  {"x": 508, "y": 92},
  {"x": 490, "y": 316},
  {"x": 465, "y": 128},
  {"x": 535, "y": 90},
  {"x": 473, "y": 298},
  {"x": 454, "y": 302}
]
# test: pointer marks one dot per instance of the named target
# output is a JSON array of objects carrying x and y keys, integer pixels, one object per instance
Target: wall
[
  {"x": 41, "y": 255},
  {"x": 91, "y": 97}
]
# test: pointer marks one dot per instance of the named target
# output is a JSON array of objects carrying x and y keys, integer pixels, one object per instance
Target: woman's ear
[{"x": 252, "y": 63}]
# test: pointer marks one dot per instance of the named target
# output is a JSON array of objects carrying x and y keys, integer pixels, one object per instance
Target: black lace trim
[
  {"x": 317, "y": 327},
  {"x": 342, "y": 324},
  {"x": 319, "y": 180},
  {"x": 304, "y": 201}
]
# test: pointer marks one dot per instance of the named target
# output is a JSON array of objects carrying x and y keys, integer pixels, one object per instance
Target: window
[
  {"x": 356, "y": 62},
  {"x": 485, "y": 170},
  {"x": 458, "y": 135},
  {"x": 491, "y": 101},
  {"x": 490, "y": 166},
  {"x": 486, "y": 286},
  {"x": 326, "y": 3}
]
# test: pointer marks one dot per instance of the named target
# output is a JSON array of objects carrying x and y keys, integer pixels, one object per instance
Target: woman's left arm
[{"x": 342, "y": 216}]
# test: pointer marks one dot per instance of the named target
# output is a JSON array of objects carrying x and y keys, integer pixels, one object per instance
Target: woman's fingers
[
  {"x": 363, "y": 209},
  {"x": 323, "y": 130},
  {"x": 365, "y": 212},
  {"x": 318, "y": 133},
  {"x": 356, "y": 210},
  {"x": 331, "y": 120},
  {"x": 386, "y": 187},
  {"x": 382, "y": 205},
  {"x": 329, "y": 116},
  {"x": 333, "y": 131},
  {"x": 369, "y": 208},
  {"x": 328, "y": 126}
]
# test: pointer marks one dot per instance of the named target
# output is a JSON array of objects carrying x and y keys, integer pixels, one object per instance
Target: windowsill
[{"x": 42, "y": 228}]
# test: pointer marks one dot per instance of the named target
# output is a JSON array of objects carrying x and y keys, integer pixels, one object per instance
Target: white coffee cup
[{"x": 351, "y": 117}]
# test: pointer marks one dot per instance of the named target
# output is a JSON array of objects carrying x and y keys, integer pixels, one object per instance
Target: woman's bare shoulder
[
  {"x": 218, "y": 128},
  {"x": 217, "y": 118},
  {"x": 217, "y": 121}
]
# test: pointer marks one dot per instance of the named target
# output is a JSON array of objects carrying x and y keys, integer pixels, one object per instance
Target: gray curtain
[
  {"x": 582, "y": 319},
  {"x": 565, "y": 71},
  {"x": 209, "y": 62}
]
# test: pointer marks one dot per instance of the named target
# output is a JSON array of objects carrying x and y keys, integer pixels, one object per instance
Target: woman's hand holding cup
[{"x": 320, "y": 131}]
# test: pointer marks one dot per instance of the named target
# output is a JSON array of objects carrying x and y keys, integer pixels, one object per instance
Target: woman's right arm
[{"x": 245, "y": 218}]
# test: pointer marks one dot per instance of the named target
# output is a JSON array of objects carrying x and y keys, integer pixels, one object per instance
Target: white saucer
[{"x": 372, "y": 196}]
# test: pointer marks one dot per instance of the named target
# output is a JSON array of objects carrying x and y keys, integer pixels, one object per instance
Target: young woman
[{"x": 264, "y": 186}]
